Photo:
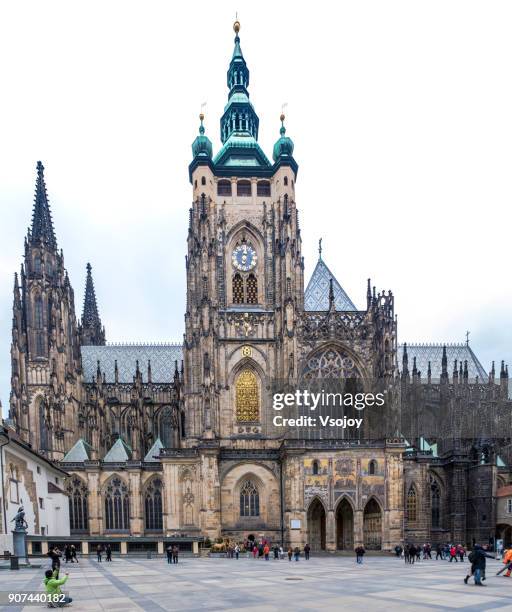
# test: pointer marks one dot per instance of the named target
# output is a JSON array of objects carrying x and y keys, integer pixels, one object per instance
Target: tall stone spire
[
  {"x": 91, "y": 332},
  {"x": 42, "y": 225}
]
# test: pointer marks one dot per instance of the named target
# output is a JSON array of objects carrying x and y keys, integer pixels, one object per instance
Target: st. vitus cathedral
[{"x": 178, "y": 440}]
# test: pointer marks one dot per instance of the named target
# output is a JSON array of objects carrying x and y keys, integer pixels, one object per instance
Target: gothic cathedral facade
[{"x": 161, "y": 440}]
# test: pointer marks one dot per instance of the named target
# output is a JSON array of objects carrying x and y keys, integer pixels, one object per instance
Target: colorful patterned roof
[
  {"x": 434, "y": 353},
  {"x": 316, "y": 296},
  {"x": 162, "y": 357}
]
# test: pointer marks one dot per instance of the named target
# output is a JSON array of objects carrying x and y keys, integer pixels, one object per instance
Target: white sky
[{"x": 401, "y": 117}]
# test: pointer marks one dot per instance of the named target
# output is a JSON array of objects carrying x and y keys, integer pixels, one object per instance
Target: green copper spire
[
  {"x": 284, "y": 146},
  {"x": 239, "y": 118},
  {"x": 202, "y": 146}
]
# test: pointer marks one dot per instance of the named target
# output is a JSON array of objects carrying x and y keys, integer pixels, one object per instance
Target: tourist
[
  {"x": 407, "y": 553},
  {"x": 73, "y": 554},
  {"x": 266, "y": 551},
  {"x": 55, "y": 555},
  {"x": 254, "y": 552},
  {"x": 276, "y": 551},
  {"x": 439, "y": 552},
  {"x": 175, "y": 552},
  {"x": 52, "y": 584},
  {"x": 296, "y": 552},
  {"x": 67, "y": 553},
  {"x": 108, "y": 551},
  {"x": 418, "y": 553},
  {"x": 453, "y": 553},
  {"x": 427, "y": 551},
  {"x": 169, "y": 553},
  {"x": 412, "y": 553},
  {"x": 281, "y": 553},
  {"x": 359, "y": 554},
  {"x": 237, "y": 551},
  {"x": 477, "y": 558},
  {"x": 507, "y": 562},
  {"x": 99, "y": 550},
  {"x": 398, "y": 551},
  {"x": 307, "y": 550},
  {"x": 461, "y": 552},
  {"x": 290, "y": 553}
]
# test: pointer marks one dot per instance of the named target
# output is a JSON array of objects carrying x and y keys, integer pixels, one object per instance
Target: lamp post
[{"x": 4, "y": 440}]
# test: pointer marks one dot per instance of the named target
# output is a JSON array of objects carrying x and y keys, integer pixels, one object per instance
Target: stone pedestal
[{"x": 19, "y": 539}]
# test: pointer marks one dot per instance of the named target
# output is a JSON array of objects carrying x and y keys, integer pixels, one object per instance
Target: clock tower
[{"x": 245, "y": 281}]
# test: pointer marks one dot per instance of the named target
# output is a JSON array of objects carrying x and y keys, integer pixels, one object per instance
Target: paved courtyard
[{"x": 323, "y": 583}]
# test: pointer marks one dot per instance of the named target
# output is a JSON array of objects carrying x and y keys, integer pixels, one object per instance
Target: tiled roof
[
  {"x": 120, "y": 451},
  {"x": 316, "y": 296},
  {"x": 154, "y": 451},
  {"x": 80, "y": 451},
  {"x": 434, "y": 353},
  {"x": 162, "y": 357}
]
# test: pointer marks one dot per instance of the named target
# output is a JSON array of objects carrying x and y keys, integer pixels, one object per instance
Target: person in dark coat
[
  {"x": 169, "y": 553},
  {"x": 439, "y": 552},
  {"x": 55, "y": 555},
  {"x": 108, "y": 552},
  {"x": 99, "y": 551},
  {"x": 412, "y": 553},
  {"x": 307, "y": 550},
  {"x": 478, "y": 562},
  {"x": 359, "y": 554}
]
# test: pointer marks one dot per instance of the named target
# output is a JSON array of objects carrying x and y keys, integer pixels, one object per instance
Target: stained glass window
[
  {"x": 153, "y": 506},
  {"x": 238, "y": 289},
  {"x": 78, "y": 515},
  {"x": 412, "y": 505},
  {"x": 117, "y": 506},
  {"x": 435, "y": 502},
  {"x": 252, "y": 289},
  {"x": 249, "y": 499}
]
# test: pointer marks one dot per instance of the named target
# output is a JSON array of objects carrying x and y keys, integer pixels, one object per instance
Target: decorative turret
[
  {"x": 202, "y": 146},
  {"x": 91, "y": 331},
  {"x": 283, "y": 149}
]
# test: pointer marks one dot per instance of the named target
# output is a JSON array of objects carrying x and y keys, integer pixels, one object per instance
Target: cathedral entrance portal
[
  {"x": 344, "y": 526},
  {"x": 372, "y": 526},
  {"x": 316, "y": 525}
]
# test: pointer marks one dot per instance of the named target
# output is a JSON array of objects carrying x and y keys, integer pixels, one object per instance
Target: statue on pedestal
[{"x": 20, "y": 522}]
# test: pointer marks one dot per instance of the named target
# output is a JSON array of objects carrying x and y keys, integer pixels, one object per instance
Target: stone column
[
  {"x": 160, "y": 548},
  {"x": 172, "y": 497},
  {"x": 358, "y": 528},
  {"x": 136, "y": 518},
  {"x": 94, "y": 504},
  {"x": 330, "y": 531},
  {"x": 124, "y": 548},
  {"x": 85, "y": 548}
]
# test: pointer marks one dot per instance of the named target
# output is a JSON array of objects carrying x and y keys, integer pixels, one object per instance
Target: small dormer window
[{"x": 203, "y": 180}]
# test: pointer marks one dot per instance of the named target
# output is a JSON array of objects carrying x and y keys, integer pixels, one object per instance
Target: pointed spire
[
  {"x": 332, "y": 303},
  {"x": 42, "y": 224},
  {"x": 429, "y": 373},
  {"x": 444, "y": 366},
  {"x": 92, "y": 331},
  {"x": 369, "y": 295},
  {"x": 405, "y": 360},
  {"x": 17, "y": 293}
]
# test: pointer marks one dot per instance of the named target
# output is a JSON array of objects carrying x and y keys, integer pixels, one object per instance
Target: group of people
[
  {"x": 265, "y": 550},
  {"x": 100, "y": 549},
  {"x": 412, "y": 552},
  {"x": 52, "y": 581},
  {"x": 172, "y": 553}
]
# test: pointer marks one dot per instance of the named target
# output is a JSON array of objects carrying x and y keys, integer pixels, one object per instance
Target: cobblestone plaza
[{"x": 323, "y": 583}]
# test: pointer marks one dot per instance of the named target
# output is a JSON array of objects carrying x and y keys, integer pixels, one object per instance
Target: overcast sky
[{"x": 401, "y": 117}]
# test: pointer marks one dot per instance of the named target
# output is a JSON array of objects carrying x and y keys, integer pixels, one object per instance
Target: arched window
[
  {"x": 14, "y": 491},
  {"x": 249, "y": 499},
  {"x": 203, "y": 180},
  {"x": 263, "y": 188},
  {"x": 286, "y": 181},
  {"x": 315, "y": 467},
  {"x": 38, "y": 312},
  {"x": 412, "y": 505},
  {"x": 40, "y": 344},
  {"x": 224, "y": 188},
  {"x": 252, "y": 290},
  {"x": 44, "y": 437},
  {"x": 78, "y": 515},
  {"x": 435, "y": 503},
  {"x": 37, "y": 264},
  {"x": 153, "y": 506},
  {"x": 166, "y": 429},
  {"x": 243, "y": 189},
  {"x": 247, "y": 397},
  {"x": 117, "y": 506},
  {"x": 372, "y": 467},
  {"x": 330, "y": 362},
  {"x": 238, "y": 289}
]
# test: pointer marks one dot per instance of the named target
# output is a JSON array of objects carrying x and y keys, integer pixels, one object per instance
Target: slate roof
[
  {"x": 120, "y": 451},
  {"x": 154, "y": 451},
  {"x": 80, "y": 451},
  {"x": 316, "y": 296},
  {"x": 434, "y": 353},
  {"x": 162, "y": 357}
]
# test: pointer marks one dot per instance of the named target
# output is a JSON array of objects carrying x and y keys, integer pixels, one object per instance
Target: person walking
[
  {"x": 169, "y": 553},
  {"x": 108, "y": 552},
  {"x": 359, "y": 554},
  {"x": 507, "y": 563},
  {"x": 307, "y": 551},
  {"x": 276, "y": 552},
  {"x": 55, "y": 555},
  {"x": 412, "y": 553},
  {"x": 237, "y": 552},
  {"x": 478, "y": 562},
  {"x": 281, "y": 553},
  {"x": 67, "y": 553},
  {"x": 461, "y": 552},
  {"x": 398, "y": 551},
  {"x": 175, "y": 552},
  {"x": 439, "y": 552},
  {"x": 74, "y": 558},
  {"x": 266, "y": 552},
  {"x": 99, "y": 550},
  {"x": 254, "y": 551},
  {"x": 453, "y": 553},
  {"x": 296, "y": 552},
  {"x": 290, "y": 553},
  {"x": 407, "y": 554}
]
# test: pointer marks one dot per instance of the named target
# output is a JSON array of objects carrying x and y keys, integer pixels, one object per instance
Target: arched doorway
[
  {"x": 344, "y": 526},
  {"x": 316, "y": 525},
  {"x": 372, "y": 525}
]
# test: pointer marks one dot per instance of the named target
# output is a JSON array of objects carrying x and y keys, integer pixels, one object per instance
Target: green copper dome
[
  {"x": 202, "y": 146},
  {"x": 284, "y": 146}
]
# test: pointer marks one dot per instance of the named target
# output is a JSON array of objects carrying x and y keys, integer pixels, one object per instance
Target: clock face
[{"x": 244, "y": 257}]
